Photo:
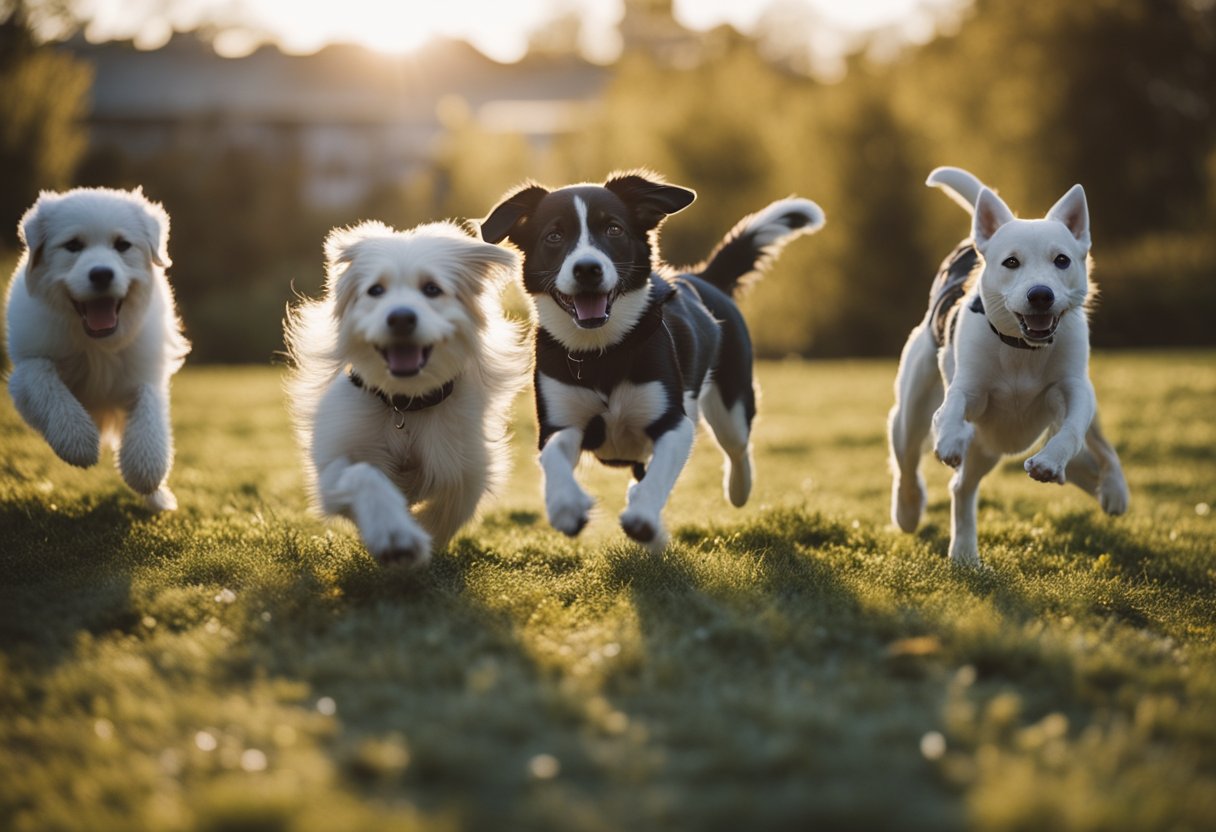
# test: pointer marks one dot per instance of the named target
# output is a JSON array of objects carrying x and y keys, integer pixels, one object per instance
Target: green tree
[{"x": 43, "y": 102}]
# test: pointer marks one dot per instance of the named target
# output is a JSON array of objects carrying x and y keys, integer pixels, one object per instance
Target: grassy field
[{"x": 797, "y": 664}]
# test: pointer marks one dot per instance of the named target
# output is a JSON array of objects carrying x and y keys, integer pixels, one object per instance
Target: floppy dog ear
[
  {"x": 154, "y": 220},
  {"x": 511, "y": 213},
  {"x": 1073, "y": 211},
  {"x": 651, "y": 201},
  {"x": 991, "y": 213},
  {"x": 33, "y": 232},
  {"x": 479, "y": 265}
]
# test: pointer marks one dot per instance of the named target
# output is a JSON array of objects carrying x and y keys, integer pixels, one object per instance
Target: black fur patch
[{"x": 948, "y": 289}]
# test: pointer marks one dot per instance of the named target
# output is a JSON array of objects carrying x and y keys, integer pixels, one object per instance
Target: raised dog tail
[
  {"x": 747, "y": 250},
  {"x": 958, "y": 184}
]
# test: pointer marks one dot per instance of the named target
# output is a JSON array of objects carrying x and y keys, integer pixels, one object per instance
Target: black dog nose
[
  {"x": 1041, "y": 298},
  {"x": 101, "y": 277},
  {"x": 588, "y": 273},
  {"x": 402, "y": 320}
]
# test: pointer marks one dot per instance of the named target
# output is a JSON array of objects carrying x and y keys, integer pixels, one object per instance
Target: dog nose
[
  {"x": 588, "y": 273},
  {"x": 1041, "y": 298},
  {"x": 101, "y": 277},
  {"x": 402, "y": 321}
]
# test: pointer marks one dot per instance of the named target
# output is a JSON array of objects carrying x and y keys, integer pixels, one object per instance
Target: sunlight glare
[{"x": 498, "y": 30}]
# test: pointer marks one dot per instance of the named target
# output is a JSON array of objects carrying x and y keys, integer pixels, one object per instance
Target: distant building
[{"x": 355, "y": 119}]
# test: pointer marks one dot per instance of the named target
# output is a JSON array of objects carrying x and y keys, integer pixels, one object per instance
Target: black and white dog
[{"x": 629, "y": 353}]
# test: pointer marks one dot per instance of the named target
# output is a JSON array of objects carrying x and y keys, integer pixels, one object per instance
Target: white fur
[
  {"x": 984, "y": 399},
  {"x": 585, "y": 251},
  {"x": 80, "y": 391},
  {"x": 412, "y": 488},
  {"x": 627, "y": 309}
]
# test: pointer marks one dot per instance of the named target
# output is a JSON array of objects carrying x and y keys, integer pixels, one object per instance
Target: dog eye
[
  {"x": 1062, "y": 261},
  {"x": 121, "y": 245},
  {"x": 432, "y": 289},
  {"x": 1011, "y": 262},
  {"x": 614, "y": 230},
  {"x": 375, "y": 290},
  {"x": 74, "y": 245},
  {"x": 554, "y": 237}
]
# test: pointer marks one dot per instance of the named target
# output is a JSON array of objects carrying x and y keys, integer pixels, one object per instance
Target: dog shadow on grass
[
  {"x": 767, "y": 675},
  {"x": 437, "y": 702},
  {"x": 67, "y": 570}
]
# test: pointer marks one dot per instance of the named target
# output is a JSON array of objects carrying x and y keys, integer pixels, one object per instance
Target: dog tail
[
  {"x": 957, "y": 184},
  {"x": 756, "y": 240}
]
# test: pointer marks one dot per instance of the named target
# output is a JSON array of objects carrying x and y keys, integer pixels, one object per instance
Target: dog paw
[
  {"x": 1044, "y": 469},
  {"x": 907, "y": 504},
  {"x": 162, "y": 499},
  {"x": 569, "y": 511},
  {"x": 952, "y": 447},
  {"x": 401, "y": 542},
  {"x": 1113, "y": 497},
  {"x": 965, "y": 554},
  {"x": 77, "y": 443},
  {"x": 644, "y": 528},
  {"x": 144, "y": 465}
]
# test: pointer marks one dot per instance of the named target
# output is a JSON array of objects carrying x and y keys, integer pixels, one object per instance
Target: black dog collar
[
  {"x": 977, "y": 305},
  {"x": 402, "y": 404}
]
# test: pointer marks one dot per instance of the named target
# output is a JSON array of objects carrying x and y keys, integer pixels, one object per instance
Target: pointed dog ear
[
  {"x": 512, "y": 213},
  {"x": 991, "y": 213},
  {"x": 651, "y": 201},
  {"x": 154, "y": 221},
  {"x": 1073, "y": 211},
  {"x": 33, "y": 232}
]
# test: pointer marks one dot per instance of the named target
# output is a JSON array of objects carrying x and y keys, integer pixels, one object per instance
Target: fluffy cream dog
[
  {"x": 1004, "y": 351},
  {"x": 93, "y": 334},
  {"x": 403, "y": 378}
]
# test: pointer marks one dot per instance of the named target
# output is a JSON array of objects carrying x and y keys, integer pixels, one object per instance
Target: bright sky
[{"x": 498, "y": 28}]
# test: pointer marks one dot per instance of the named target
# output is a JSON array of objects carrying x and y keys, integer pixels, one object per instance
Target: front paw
[
  {"x": 952, "y": 445},
  {"x": 1044, "y": 468},
  {"x": 77, "y": 442},
  {"x": 568, "y": 510},
  {"x": 645, "y": 528},
  {"x": 397, "y": 540},
  {"x": 1113, "y": 496},
  {"x": 143, "y": 469},
  {"x": 965, "y": 553}
]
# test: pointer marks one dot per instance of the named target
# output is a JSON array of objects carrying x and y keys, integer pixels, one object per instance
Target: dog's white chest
[{"x": 626, "y": 411}]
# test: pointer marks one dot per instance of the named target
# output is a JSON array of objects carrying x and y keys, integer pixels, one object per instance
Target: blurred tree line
[{"x": 1116, "y": 94}]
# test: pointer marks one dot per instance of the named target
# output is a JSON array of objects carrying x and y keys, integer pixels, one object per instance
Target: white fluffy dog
[
  {"x": 1013, "y": 348},
  {"x": 93, "y": 334},
  {"x": 403, "y": 380}
]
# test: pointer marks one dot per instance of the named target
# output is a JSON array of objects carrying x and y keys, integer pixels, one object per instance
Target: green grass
[{"x": 796, "y": 664}]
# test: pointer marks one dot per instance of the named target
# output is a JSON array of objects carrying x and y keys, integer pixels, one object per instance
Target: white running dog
[
  {"x": 1013, "y": 349},
  {"x": 403, "y": 380},
  {"x": 93, "y": 333}
]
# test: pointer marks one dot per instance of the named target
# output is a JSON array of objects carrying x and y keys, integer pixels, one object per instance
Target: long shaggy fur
[
  {"x": 93, "y": 333},
  {"x": 444, "y": 458}
]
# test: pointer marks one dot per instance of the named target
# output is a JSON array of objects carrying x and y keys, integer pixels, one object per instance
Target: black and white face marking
[
  {"x": 586, "y": 247},
  {"x": 587, "y": 280}
]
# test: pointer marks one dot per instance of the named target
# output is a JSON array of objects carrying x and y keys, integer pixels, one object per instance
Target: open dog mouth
[
  {"x": 589, "y": 311},
  {"x": 405, "y": 360},
  {"x": 99, "y": 315},
  {"x": 1037, "y": 327}
]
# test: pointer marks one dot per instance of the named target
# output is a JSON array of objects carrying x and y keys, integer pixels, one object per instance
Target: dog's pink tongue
[
  {"x": 590, "y": 306},
  {"x": 101, "y": 314},
  {"x": 404, "y": 358}
]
